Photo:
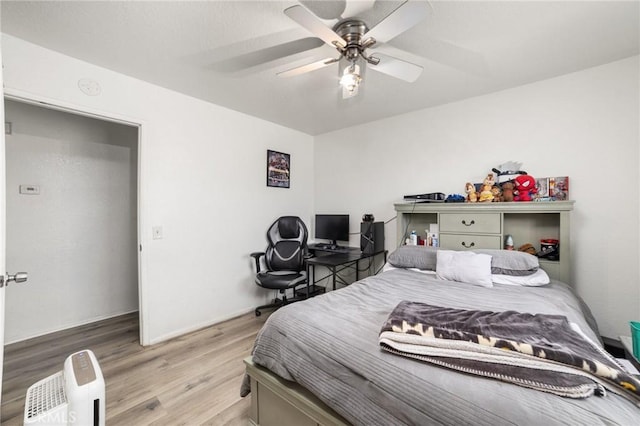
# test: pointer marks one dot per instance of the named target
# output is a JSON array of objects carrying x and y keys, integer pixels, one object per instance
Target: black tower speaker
[{"x": 372, "y": 237}]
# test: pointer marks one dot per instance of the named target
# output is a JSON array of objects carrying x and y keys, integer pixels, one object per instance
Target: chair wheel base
[{"x": 258, "y": 313}]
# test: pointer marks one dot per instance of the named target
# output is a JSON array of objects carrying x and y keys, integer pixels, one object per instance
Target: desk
[{"x": 338, "y": 262}]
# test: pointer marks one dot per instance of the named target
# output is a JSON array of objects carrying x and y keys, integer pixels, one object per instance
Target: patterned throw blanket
[{"x": 543, "y": 352}]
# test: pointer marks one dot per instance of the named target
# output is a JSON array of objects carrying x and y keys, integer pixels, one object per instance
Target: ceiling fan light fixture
[
  {"x": 352, "y": 74},
  {"x": 351, "y": 78}
]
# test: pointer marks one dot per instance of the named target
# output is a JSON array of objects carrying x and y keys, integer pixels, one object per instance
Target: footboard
[{"x": 278, "y": 402}]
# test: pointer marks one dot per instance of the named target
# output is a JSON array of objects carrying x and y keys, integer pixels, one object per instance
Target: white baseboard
[
  {"x": 196, "y": 327},
  {"x": 68, "y": 326},
  {"x": 159, "y": 339}
]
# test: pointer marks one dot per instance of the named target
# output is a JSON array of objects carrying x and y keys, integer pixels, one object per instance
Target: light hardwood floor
[{"x": 190, "y": 380}]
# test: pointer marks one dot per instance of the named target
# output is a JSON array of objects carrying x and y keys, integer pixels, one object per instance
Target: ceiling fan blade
[
  {"x": 445, "y": 53},
  {"x": 263, "y": 56},
  {"x": 326, "y": 9},
  {"x": 309, "y": 21},
  {"x": 400, "y": 20},
  {"x": 397, "y": 68},
  {"x": 356, "y": 7},
  {"x": 307, "y": 68}
]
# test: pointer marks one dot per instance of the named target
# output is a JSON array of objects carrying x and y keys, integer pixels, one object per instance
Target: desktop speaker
[{"x": 372, "y": 237}]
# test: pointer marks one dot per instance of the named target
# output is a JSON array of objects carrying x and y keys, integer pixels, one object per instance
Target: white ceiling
[{"x": 213, "y": 50}]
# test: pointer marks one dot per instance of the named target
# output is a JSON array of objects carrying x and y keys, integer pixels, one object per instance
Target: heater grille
[{"x": 45, "y": 395}]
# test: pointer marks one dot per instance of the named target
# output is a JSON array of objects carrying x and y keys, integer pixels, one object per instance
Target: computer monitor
[{"x": 334, "y": 227}]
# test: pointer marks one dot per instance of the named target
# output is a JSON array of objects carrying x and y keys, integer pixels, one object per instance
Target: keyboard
[
  {"x": 432, "y": 197},
  {"x": 331, "y": 248},
  {"x": 338, "y": 250}
]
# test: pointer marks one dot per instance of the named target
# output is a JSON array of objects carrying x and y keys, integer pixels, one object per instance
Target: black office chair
[{"x": 284, "y": 260}]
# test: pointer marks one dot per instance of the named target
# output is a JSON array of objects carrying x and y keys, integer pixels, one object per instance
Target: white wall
[
  {"x": 584, "y": 125},
  {"x": 77, "y": 239},
  {"x": 203, "y": 177}
]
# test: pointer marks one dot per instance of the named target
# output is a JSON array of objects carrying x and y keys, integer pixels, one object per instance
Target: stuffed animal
[
  {"x": 507, "y": 191},
  {"x": 487, "y": 184},
  {"x": 527, "y": 248},
  {"x": 525, "y": 187},
  {"x": 497, "y": 194},
  {"x": 470, "y": 189}
]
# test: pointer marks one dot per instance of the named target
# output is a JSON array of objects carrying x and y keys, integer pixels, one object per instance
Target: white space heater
[{"x": 73, "y": 396}]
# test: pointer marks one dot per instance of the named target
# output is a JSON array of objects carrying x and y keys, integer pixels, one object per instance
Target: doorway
[{"x": 72, "y": 218}]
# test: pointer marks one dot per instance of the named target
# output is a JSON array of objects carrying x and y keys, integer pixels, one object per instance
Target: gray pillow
[
  {"x": 421, "y": 257},
  {"x": 511, "y": 262}
]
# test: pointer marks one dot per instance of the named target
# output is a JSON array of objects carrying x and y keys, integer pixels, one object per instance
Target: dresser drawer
[
  {"x": 470, "y": 242},
  {"x": 471, "y": 223}
]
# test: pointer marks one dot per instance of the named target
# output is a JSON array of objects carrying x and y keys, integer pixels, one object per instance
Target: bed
[{"x": 319, "y": 361}]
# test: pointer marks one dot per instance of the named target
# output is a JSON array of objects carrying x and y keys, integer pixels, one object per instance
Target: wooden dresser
[{"x": 468, "y": 226}]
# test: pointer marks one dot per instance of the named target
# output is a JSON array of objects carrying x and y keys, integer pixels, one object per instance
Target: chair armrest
[{"x": 256, "y": 256}]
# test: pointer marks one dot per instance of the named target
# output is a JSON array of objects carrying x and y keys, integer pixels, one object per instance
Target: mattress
[{"x": 329, "y": 345}]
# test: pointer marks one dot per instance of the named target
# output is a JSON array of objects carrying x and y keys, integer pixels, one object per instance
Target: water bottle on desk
[{"x": 413, "y": 238}]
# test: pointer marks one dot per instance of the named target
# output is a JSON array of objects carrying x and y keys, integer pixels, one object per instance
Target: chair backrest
[{"x": 287, "y": 238}]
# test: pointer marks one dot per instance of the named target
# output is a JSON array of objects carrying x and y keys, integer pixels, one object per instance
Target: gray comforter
[{"x": 329, "y": 344}]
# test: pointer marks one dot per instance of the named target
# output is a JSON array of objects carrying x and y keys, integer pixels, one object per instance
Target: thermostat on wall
[{"x": 30, "y": 189}]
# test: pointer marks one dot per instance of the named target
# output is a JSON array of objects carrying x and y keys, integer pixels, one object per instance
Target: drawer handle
[
  {"x": 464, "y": 222},
  {"x": 468, "y": 246}
]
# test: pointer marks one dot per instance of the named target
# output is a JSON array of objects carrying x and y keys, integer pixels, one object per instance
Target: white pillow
[
  {"x": 389, "y": 267},
  {"x": 464, "y": 266},
  {"x": 536, "y": 279}
]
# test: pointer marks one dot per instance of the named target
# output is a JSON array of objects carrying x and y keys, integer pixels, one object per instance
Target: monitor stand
[{"x": 334, "y": 245}]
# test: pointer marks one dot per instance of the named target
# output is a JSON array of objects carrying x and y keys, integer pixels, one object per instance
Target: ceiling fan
[{"x": 352, "y": 38}]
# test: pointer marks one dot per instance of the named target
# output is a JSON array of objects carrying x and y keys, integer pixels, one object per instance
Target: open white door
[
  {"x": 3, "y": 216},
  {"x": 4, "y": 280}
]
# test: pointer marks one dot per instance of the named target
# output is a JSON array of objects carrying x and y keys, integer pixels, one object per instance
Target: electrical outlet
[{"x": 157, "y": 232}]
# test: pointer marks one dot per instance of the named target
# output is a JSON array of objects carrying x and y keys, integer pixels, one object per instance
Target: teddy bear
[
  {"x": 487, "y": 184},
  {"x": 470, "y": 189},
  {"x": 497, "y": 194},
  {"x": 507, "y": 191},
  {"x": 525, "y": 187},
  {"x": 527, "y": 248}
]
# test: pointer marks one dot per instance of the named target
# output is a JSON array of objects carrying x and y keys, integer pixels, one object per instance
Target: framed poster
[{"x": 278, "y": 169}]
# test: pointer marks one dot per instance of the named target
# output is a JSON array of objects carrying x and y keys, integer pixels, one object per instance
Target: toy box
[
  {"x": 559, "y": 188},
  {"x": 542, "y": 185},
  {"x": 552, "y": 188}
]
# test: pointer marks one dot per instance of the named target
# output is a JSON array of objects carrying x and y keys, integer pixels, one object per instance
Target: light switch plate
[
  {"x": 30, "y": 189},
  {"x": 157, "y": 232}
]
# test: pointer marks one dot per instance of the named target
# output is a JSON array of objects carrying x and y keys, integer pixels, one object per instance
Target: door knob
[{"x": 19, "y": 277}]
